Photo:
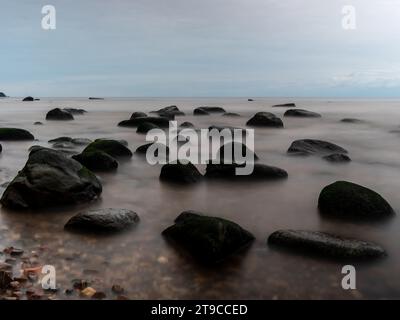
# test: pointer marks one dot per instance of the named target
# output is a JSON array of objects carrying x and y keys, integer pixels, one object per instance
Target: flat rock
[
  {"x": 337, "y": 158},
  {"x": 343, "y": 199},
  {"x": 75, "y": 111},
  {"x": 208, "y": 110},
  {"x": 209, "y": 239},
  {"x": 265, "y": 119},
  {"x": 29, "y": 98},
  {"x": 325, "y": 244},
  {"x": 161, "y": 122},
  {"x": 49, "y": 178},
  {"x": 107, "y": 220},
  {"x": 314, "y": 147},
  {"x": 285, "y": 105},
  {"x": 301, "y": 113}
]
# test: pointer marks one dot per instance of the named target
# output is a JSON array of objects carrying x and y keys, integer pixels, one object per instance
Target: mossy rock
[
  {"x": 208, "y": 239},
  {"x": 344, "y": 199},
  {"x": 112, "y": 147}
]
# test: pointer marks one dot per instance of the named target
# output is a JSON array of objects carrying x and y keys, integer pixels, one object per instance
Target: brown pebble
[{"x": 122, "y": 298}]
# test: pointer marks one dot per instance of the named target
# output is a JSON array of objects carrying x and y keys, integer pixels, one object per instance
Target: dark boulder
[
  {"x": 337, "y": 158},
  {"x": 29, "y": 98},
  {"x": 229, "y": 149},
  {"x": 97, "y": 161},
  {"x": 180, "y": 173},
  {"x": 260, "y": 172},
  {"x": 49, "y": 178},
  {"x": 208, "y": 239},
  {"x": 301, "y": 113},
  {"x": 112, "y": 147},
  {"x": 208, "y": 110},
  {"x": 344, "y": 199},
  {"x": 2, "y": 95},
  {"x": 324, "y": 244},
  {"x": 285, "y": 105},
  {"x": 58, "y": 114},
  {"x": 161, "y": 122},
  {"x": 250, "y": 100},
  {"x": 38, "y": 123},
  {"x": 311, "y": 146},
  {"x": 265, "y": 119},
  {"x": 200, "y": 112},
  {"x": 13, "y": 134},
  {"x": 95, "y": 98},
  {"x": 170, "y": 111},
  {"x": 138, "y": 115},
  {"x": 146, "y": 127},
  {"x": 159, "y": 146},
  {"x": 187, "y": 125},
  {"x": 103, "y": 220},
  {"x": 61, "y": 139}
]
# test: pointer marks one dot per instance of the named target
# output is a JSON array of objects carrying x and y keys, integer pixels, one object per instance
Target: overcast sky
[{"x": 200, "y": 48}]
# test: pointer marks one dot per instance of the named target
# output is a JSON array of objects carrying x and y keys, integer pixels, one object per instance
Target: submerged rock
[
  {"x": 311, "y": 146},
  {"x": 29, "y": 98},
  {"x": 75, "y": 111},
  {"x": 209, "y": 239},
  {"x": 352, "y": 120},
  {"x": 38, "y": 123},
  {"x": 301, "y": 113},
  {"x": 146, "y": 127},
  {"x": 337, "y": 158},
  {"x": 260, "y": 172},
  {"x": 71, "y": 142},
  {"x": 161, "y": 122},
  {"x": 103, "y": 220},
  {"x": 49, "y": 178},
  {"x": 138, "y": 115},
  {"x": 58, "y": 114},
  {"x": 325, "y": 244},
  {"x": 231, "y": 114},
  {"x": 15, "y": 134},
  {"x": 208, "y": 110},
  {"x": 344, "y": 199},
  {"x": 265, "y": 119},
  {"x": 285, "y": 105},
  {"x": 180, "y": 173}
]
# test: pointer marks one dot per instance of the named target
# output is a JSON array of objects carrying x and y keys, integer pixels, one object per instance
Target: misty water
[{"x": 142, "y": 261}]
